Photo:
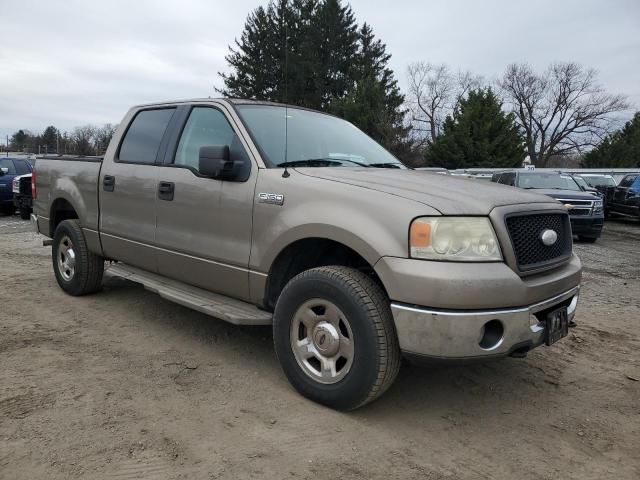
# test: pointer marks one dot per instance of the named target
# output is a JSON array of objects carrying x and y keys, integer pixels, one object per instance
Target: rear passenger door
[
  {"x": 204, "y": 226},
  {"x": 128, "y": 190}
]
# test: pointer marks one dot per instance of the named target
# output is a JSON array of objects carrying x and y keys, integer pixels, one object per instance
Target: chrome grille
[
  {"x": 525, "y": 231},
  {"x": 578, "y": 207}
]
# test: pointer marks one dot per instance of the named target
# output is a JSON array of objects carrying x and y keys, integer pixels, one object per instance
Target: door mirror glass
[{"x": 214, "y": 161}]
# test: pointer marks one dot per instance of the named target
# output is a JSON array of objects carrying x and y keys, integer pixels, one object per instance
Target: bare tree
[
  {"x": 82, "y": 140},
  {"x": 562, "y": 111},
  {"x": 102, "y": 137},
  {"x": 434, "y": 91}
]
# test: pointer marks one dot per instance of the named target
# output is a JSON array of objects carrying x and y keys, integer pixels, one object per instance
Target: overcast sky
[{"x": 74, "y": 62}]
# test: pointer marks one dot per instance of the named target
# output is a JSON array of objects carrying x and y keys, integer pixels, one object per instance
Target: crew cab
[
  {"x": 10, "y": 168},
  {"x": 265, "y": 214},
  {"x": 626, "y": 197},
  {"x": 586, "y": 209}
]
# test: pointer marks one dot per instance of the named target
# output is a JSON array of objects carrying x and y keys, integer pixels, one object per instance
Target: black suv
[
  {"x": 626, "y": 197},
  {"x": 586, "y": 209}
]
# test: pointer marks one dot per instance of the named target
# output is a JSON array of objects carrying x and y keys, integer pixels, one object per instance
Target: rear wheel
[
  {"x": 335, "y": 338},
  {"x": 78, "y": 271},
  {"x": 25, "y": 213}
]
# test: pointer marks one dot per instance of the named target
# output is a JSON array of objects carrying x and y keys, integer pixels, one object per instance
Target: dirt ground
[{"x": 123, "y": 384}]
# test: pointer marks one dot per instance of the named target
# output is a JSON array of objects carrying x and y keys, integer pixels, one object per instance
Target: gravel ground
[{"x": 124, "y": 384}]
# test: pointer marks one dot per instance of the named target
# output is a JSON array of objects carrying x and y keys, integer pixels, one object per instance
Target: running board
[{"x": 225, "y": 308}]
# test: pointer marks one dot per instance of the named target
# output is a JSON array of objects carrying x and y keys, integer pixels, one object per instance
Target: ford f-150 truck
[{"x": 263, "y": 214}]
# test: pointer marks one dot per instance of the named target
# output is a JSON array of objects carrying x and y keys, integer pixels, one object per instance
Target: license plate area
[{"x": 557, "y": 325}]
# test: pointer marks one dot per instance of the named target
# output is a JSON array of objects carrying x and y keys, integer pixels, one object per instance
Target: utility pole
[{"x": 7, "y": 145}]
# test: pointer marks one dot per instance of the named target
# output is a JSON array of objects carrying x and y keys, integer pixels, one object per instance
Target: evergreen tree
[
  {"x": 375, "y": 103},
  {"x": 311, "y": 53},
  {"x": 49, "y": 138},
  {"x": 619, "y": 150},
  {"x": 479, "y": 134}
]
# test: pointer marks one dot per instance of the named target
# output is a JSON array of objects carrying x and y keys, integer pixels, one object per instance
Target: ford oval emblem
[{"x": 549, "y": 237}]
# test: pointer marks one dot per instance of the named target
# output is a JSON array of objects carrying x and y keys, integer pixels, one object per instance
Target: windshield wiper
[
  {"x": 331, "y": 162},
  {"x": 320, "y": 162},
  {"x": 310, "y": 162},
  {"x": 384, "y": 165}
]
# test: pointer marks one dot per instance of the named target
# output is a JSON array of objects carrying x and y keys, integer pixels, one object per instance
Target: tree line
[
  {"x": 84, "y": 140},
  {"x": 313, "y": 53}
]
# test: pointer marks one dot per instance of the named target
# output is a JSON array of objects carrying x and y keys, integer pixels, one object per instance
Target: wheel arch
[{"x": 311, "y": 252}]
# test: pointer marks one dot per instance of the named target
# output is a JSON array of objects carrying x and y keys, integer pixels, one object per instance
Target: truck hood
[{"x": 446, "y": 193}]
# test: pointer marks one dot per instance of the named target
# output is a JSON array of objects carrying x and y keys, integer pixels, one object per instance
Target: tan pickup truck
[{"x": 258, "y": 213}]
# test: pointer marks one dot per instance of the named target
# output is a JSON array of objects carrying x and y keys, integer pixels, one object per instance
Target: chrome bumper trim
[{"x": 456, "y": 334}]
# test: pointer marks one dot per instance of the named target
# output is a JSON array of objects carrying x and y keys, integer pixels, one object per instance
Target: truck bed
[{"x": 74, "y": 179}]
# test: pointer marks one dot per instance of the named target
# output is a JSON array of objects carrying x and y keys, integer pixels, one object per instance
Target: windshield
[
  {"x": 311, "y": 139},
  {"x": 600, "y": 180},
  {"x": 547, "y": 180},
  {"x": 581, "y": 181}
]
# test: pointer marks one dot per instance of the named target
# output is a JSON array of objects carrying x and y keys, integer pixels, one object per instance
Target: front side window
[
  {"x": 306, "y": 138},
  {"x": 142, "y": 140},
  {"x": 205, "y": 127}
]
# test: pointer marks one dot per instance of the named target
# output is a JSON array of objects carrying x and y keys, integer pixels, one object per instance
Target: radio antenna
[{"x": 286, "y": 173}]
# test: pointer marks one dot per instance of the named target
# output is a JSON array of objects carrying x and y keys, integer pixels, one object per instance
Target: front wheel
[
  {"x": 78, "y": 271},
  {"x": 335, "y": 338}
]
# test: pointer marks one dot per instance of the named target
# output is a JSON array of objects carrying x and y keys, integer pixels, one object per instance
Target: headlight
[
  {"x": 597, "y": 205},
  {"x": 458, "y": 239}
]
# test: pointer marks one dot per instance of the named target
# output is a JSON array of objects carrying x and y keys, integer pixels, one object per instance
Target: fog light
[{"x": 491, "y": 335}]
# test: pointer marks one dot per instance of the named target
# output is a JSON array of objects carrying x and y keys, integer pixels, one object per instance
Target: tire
[
  {"x": 587, "y": 239},
  {"x": 368, "y": 357},
  {"x": 25, "y": 213},
  {"x": 82, "y": 272},
  {"x": 8, "y": 210}
]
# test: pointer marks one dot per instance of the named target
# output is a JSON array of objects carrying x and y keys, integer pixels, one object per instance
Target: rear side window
[
  {"x": 142, "y": 140},
  {"x": 8, "y": 163},
  {"x": 636, "y": 184}
]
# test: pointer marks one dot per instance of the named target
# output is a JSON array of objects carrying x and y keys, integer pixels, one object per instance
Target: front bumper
[
  {"x": 458, "y": 334},
  {"x": 589, "y": 226}
]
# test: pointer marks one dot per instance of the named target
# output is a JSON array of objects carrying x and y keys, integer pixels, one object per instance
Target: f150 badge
[{"x": 273, "y": 198}]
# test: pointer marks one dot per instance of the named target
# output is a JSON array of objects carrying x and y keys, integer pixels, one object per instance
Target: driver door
[{"x": 203, "y": 231}]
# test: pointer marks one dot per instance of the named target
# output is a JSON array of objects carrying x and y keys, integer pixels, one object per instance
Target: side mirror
[
  {"x": 214, "y": 162},
  {"x": 3, "y": 171}
]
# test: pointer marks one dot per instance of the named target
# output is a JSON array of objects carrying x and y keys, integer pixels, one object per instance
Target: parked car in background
[
  {"x": 22, "y": 198},
  {"x": 626, "y": 197},
  {"x": 9, "y": 169},
  {"x": 605, "y": 184},
  {"x": 584, "y": 186},
  {"x": 586, "y": 209}
]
